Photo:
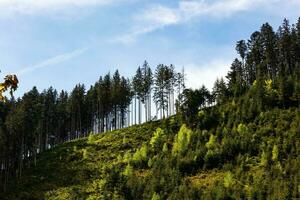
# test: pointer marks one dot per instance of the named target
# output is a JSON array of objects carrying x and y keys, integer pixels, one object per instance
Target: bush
[
  {"x": 182, "y": 140},
  {"x": 84, "y": 154},
  {"x": 211, "y": 144},
  {"x": 127, "y": 157},
  {"x": 275, "y": 153},
  {"x": 140, "y": 156},
  {"x": 229, "y": 180},
  {"x": 242, "y": 129},
  {"x": 165, "y": 148},
  {"x": 128, "y": 171},
  {"x": 91, "y": 138},
  {"x": 212, "y": 158},
  {"x": 158, "y": 139},
  {"x": 155, "y": 196},
  {"x": 264, "y": 159}
]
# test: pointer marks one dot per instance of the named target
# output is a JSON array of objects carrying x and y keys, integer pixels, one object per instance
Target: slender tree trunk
[
  {"x": 116, "y": 120},
  {"x": 139, "y": 111},
  {"x": 135, "y": 110},
  {"x": 21, "y": 157},
  {"x": 146, "y": 111},
  {"x": 149, "y": 106}
]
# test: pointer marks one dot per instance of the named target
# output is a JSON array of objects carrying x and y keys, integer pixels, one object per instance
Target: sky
[{"x": 61, "y": 43}]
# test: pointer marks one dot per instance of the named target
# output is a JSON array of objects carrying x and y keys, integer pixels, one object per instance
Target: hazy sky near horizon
[{"x": 61, "y": 43}]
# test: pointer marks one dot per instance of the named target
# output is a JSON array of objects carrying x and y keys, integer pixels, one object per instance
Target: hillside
[
  {"x": 239, "y": 141},
  {"x": 77, "y": 168},
  {"x": 258, "y": 159}
]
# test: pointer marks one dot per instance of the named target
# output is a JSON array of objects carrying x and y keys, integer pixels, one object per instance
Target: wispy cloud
[
  {"x": 158, "y": 16},
  {"x": 53, "y": 61},
  {"x": 14, "y": 7},
  {"x": 198, "y": 75}
]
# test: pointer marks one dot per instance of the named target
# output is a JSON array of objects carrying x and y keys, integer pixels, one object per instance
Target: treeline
[
  {"x": 266, "y": 75},
  {"x": 245, "y": 147},
  {"x": 41, "y": 120},
  {"x": 269, "y": 63}
]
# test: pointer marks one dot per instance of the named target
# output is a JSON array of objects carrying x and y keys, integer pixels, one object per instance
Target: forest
[{"x": 238, "y": 141}]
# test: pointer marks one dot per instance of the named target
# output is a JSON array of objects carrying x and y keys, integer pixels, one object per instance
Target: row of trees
[
  {"x": 267, "y": 74},
  {"x": 269, "y": 61},
  {"x": 40, "y": 120}
]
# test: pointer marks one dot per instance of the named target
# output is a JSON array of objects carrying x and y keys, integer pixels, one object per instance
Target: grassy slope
[
  {"x": 71, "y": 169},
  {"x": 76, "y": 170}
]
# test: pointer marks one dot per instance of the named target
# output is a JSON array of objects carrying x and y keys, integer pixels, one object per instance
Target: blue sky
[{"x": 61, "y": 43}]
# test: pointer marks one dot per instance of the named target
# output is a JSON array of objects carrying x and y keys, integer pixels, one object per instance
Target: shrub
[
  {"x": 264, "y": 159},
  {"x": 124, "y": 140},
  {"x": 150, "y": 162},
  {"x": 201, "y": 114},
  {"x": 128, "y": 171},
  {"x": 182, "y": 140},
  {"x": 229, "y": 180},
  {"x": 85, "y": 154},
  {"x": 91, "y": 138},
  {"x": 242, "y": 129},
  {"x": 158, "y": 139},
  {"x": 155, "y": 196},
  {"x": 275, "y": 153},
  {"x": 140, "y": 156},
  {"x": 165, "y": 148},
  {"x": 211, "y": 144},
  {"x": 212, "y": 158},
  {"x": 127, "y": 157}
]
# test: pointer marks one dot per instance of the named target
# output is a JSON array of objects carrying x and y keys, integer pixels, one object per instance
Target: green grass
[
  {"x": 73, "y": 170},
  {"x": 233, "y": 159}
]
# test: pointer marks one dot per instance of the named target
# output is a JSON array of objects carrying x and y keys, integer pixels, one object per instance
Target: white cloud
[
  {"x": 53, "y": 61},
  {"x": 13, "y": 7},
  {"x": 198, "y": 75},
  {"x": 158, "y": 16}
]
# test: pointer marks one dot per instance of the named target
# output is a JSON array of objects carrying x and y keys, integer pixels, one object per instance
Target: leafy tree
[{"x": 10, "y": 82}]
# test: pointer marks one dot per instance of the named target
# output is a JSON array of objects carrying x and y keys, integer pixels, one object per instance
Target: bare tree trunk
[
  {"x": 135, "y": 110},
  {"x": 146, "y": 111},
  {"x": 139, "y": 111}
]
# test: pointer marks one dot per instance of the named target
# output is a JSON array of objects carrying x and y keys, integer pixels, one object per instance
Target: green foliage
[
  {"x": 125, "y": 140},
  {"x": 211, "y": 144},
  {"x": 140, "y": 156},
  {"x": 229, "y": 180},
  {"x": 244, "y": 147},
  {"x": 242, "y": 129},
  {"x": 91, "y": 138},
  {"x": 182, "y": 140},
  {"x": 275, "y": 153},
  {"x": 158, "y": 139},
  {"x": 128, "y": 171},
  {"x": 244, "y": 165},
  {"x": 264, "y": 159},
  {"x": 85, "y": 154},
  {"x": 155, "y": 196},
  {"x": 127, "y": 157},
  {"x": 165, "y": 148},
  {"x": 201, "y": 114}
]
